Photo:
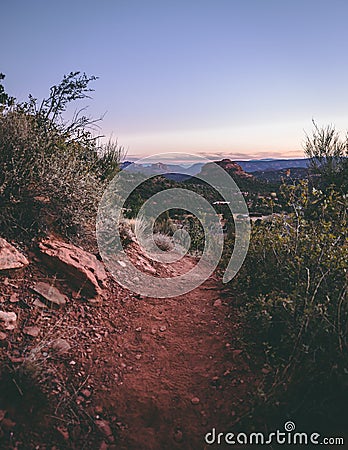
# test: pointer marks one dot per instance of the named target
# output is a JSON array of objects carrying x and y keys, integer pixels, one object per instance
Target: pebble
[
  {"x": 195, "y": 400},
  {"x": 32, "y": 331},
  {"x": 60, "y": 346},
  {"x": 14, "y": 298},
  {"x": 2, "y": 336},
  {"x": 39, "y": 304},
  {"x": 103, "y": 446},
  {"x": 178, "y": 436},
  {"x": 105, "y": 429},
  {"x": 86, "y": 393},
  {"x": 217, "y": 302},
  {"x": 8, "y": 424},
  {"x": 63, "y": 432}
]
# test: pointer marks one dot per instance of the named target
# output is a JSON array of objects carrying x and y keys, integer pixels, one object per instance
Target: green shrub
[
  {"x": 52, "y": 172},
  {"x": 295, "y": 277}
]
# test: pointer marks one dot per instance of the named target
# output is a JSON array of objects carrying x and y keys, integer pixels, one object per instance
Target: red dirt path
[
  {"x": 142, "y": 373},
  {"x": 174, "y": 351}
]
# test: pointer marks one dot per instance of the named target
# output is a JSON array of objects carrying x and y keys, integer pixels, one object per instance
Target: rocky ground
[{"x": 87, "y": 364}]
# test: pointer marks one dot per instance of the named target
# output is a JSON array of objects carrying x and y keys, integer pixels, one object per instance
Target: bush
[
  {"x": 295, "y": 277},
  {"x": 163, "y": 242},
  {"x": 328, "y": 154},
  {"x": 52, "y": 173}
]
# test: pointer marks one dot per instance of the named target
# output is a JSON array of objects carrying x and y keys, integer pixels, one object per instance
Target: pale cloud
[{"x": 248, "y": 142}]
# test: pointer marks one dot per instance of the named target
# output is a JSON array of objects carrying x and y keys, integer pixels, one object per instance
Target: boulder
[
  {"x": 10, "y": 257},
  {"x": 83, "y": 269},
  {"x": 8, "y": 320},
  {"x": 50, "y": 294}
]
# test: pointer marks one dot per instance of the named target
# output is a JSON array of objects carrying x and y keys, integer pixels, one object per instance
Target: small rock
[
  {"x": 50, "y": 293},
  {"x": 122, "y": 263},
  {"x": 8, "y": 320},
  {"x": 195, "y": 400},
  {"x": 236, "y": 353},
  {"x": 61, "y": 346},
  {"x": 10, "y": 257},
  {"x": 138, "y": 356},
  {"x": 86, "y": 393},
  {"x": 217, "y": 302},
  {"x": 8, "y": 424},
  {"x": 138, "y": 329},
  {"x": 104, "y": 428},
  {"x": 39, "y": 304},
  {"x": 178, "y": 436},
  {"x": 16, "y": 359},
  {"x": 103, "y": 446},
  {"x": 79, "y": 400},
  {"x": 98, "y": 409},
  {"x": 63, "y": 432},
  {"x": 14, "y": 298},
  {"x": 32, "y": 331},
  {"x": 265, "y": 371},
  {"x": 163, "y": 328},
  {"x": 150, "y": 269},
  {"x": 3, "y": 336}
]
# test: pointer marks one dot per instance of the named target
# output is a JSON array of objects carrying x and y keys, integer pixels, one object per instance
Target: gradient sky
[{"x": 242, "y": 78}]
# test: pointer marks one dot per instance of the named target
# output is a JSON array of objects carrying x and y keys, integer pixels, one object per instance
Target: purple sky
[{"x": 241, "y": 78}]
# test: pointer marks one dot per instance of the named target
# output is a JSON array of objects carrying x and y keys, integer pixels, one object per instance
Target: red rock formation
[{"x": 83, "y": 269}]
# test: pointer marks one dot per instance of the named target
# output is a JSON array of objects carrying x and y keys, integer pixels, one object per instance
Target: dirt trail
[{"x": 182, "y": 370}]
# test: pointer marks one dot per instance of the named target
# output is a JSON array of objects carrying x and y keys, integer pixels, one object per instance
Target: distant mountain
[
  {"x": 246, "y": 182},
  {"x": 172, "y": 171},
  {"x": 273, "y": 164},
  {"x": 276, "y": 176},
  {"x": 180, "y": 173},
  {"x": 231, "y": 167}
]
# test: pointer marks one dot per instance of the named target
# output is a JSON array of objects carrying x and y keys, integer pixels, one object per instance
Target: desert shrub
[
  {"x": 163, "y": 242},
  {"x": 328, "y": 154},
  {"x": 165, "y": 225},
  {"x": 52, "y": 172},
  {"x": 295, "y": 278}
]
